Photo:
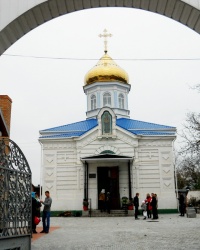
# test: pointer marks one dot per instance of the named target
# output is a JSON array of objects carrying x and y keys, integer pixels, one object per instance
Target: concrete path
[{"x": 169, "y": 232}]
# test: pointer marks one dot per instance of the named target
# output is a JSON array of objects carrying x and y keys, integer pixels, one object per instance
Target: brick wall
[{"x": 5, "y": 106}]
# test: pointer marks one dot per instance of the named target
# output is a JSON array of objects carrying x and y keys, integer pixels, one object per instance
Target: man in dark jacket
[
  {"x": 136, "y": 205},
  {"x": 154, "y": 206},
  {"x": 108, "y": 202},
  {"x": 182, "y": 205}
]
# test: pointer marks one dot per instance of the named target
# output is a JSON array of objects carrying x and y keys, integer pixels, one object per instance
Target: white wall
[{"x": 152, "y": 170}]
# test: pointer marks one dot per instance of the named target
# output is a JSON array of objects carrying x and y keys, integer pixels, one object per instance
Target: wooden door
[
  {"x": 108, "y": 179},
  {"x": 114, "y": 187}
]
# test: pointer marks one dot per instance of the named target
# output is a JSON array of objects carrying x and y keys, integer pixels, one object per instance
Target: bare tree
[
  {"x": 191, "y": 135},
  {"x": 188, "y": 173},
  {"x": 188, "y": 169}
]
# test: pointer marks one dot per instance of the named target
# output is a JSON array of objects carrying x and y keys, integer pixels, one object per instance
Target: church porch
[{"x": 108, "y": 172}]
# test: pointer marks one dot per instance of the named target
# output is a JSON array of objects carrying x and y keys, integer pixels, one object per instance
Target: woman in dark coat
[
  {"x": 136, "y": 205},
  {"x": 35, "y": 206},
  {"x": 108, "y": 202},
  {"x": 102, "y": 199}
]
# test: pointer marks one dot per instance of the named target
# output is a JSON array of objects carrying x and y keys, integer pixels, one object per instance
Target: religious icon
[{"x": 106, "y": 123}]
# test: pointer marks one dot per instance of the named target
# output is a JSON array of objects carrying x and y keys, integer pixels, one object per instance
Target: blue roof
[
  {"x": 133, "y": 126},
  {"x": 70, "y": 130},
  {"x": 145, "y": 128}
]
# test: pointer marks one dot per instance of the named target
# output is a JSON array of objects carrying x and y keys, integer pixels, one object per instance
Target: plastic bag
[{"x": 145, "y": 213}]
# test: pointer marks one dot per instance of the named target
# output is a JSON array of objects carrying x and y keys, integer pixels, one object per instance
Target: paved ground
[{"x": 121, "y": 233}]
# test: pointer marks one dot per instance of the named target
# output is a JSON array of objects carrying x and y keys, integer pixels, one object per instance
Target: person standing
[
  {"x": 102, "y": 199},
  {"x": 108, "y": 202},
  {"x": 136, "y": 205},
  {"x": 46, "y": 212},
  {"x": 35, "y": 206},
  {"x": 34, "y": 212},
  {"x": 182, "y": 205},
  {"x": 144, "y": 208},
  {"x": 154, "y": 207},
  {"x": 149, "y": 207},
  {"x": 38, "y": 205}
]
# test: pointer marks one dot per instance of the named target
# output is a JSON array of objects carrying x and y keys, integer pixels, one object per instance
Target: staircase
[{"x": 113, "y": 213}]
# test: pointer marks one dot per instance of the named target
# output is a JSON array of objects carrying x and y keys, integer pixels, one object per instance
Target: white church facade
[{"x": 108, "y": 150}]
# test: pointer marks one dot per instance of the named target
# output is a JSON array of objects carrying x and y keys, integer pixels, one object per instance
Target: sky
[{"x": 43, "y": 72}]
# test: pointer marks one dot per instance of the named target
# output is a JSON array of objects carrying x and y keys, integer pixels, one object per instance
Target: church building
[{"x": 108, "y": 150}]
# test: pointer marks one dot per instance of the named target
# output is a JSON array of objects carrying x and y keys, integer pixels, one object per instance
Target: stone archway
[{"x": 177, "y": 10}]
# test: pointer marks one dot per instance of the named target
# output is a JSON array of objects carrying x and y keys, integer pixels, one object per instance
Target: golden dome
[{"x": 106, "y": 70}]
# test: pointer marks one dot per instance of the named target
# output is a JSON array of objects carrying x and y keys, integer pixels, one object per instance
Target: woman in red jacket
[{"x": 149, "y": 207}]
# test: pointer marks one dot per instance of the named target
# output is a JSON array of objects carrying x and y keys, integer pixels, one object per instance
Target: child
[{"x": 144, "y": 208}]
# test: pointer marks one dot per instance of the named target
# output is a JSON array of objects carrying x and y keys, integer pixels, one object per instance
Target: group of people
[
  {"x": 149, "y": 206},
  {"x": 36, "y": 204},
  {"x": 104, "y": 201}
]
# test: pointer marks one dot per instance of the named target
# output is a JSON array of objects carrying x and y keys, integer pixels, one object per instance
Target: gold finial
[{"x": 105, "y": 35}]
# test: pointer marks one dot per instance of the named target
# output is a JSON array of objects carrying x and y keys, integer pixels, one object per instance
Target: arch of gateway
[{"x": 18, "y": 17}]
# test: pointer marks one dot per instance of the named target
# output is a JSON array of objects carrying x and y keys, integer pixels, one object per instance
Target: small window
[
  {"x": 93, "y": 102},
  {"x": 121, "y": 101},
  {"x": 106, "y": 120},
  {"x": 106, "y": 99}
]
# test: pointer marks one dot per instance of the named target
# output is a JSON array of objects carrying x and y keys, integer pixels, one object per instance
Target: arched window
[
  {"x": 121, "y": 101},
  {"x": 93, "y": 102},
  {"x": 106, "y": 99},
  {"x": 107, "y": 152},
  {"x": 106, "y": 120}
]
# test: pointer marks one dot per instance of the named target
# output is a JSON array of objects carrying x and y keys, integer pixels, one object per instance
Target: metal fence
[{"x": 15, "y": 198}]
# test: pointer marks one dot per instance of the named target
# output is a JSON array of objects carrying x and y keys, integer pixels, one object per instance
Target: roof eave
[{"x": 58, "y": 138}]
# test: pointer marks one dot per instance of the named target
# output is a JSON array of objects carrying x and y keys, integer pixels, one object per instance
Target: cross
[{"x": 105, "y": 35}]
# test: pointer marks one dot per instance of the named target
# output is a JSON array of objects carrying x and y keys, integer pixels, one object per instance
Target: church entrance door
[{"x": 108, "y": 179}]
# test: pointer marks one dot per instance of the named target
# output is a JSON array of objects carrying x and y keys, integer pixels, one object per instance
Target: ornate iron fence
[{"x": 15, "y": 197}]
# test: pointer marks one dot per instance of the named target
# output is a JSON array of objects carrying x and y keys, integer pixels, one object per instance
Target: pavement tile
[
  {"x": 39, "y": 235},
  {"x": 170, "y": 231}
]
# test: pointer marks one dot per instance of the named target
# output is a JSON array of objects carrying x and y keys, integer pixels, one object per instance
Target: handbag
[{"x": 36, "y": 220}]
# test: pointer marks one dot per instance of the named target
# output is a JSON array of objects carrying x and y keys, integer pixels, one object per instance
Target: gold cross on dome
[{"x": 105, "y": 35}]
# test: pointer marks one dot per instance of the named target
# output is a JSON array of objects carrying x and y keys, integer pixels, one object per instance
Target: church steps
[{"x": 113, "y": 213}]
